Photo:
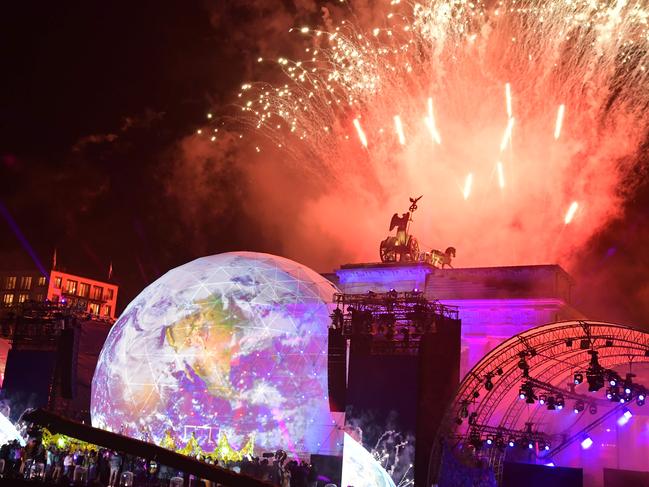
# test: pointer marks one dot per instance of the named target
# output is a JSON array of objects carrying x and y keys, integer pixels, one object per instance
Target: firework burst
[{"x": 359, "y": 107}]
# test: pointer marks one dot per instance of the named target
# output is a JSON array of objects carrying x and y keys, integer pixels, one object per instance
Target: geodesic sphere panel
[{"x": 232, "y": 344}]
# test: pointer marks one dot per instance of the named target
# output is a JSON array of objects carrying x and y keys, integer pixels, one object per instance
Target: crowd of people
[{"x": 103, "y": 467}]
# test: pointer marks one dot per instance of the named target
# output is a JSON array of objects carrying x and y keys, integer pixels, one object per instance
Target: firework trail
[{"x": 357, "y": 111}]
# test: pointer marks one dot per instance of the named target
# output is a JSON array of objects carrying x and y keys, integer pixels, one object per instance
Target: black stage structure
[{"x": 395, "y": 357}]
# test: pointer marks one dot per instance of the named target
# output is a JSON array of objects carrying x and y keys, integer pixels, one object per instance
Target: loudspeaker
[
  {"x": 27, "y": 379},
  {"x": 337, "y": 370},
  {"x": 67, "y": 361},
  {"x": 438, "y": 379}
]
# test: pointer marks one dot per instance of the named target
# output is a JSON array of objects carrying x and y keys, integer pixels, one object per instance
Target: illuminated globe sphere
[{"x": 234, "y": 344}]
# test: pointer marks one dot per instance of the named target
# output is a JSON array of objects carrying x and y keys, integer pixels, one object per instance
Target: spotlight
[
  {"x": 473, "y": 418},
  {"x": 551, "y": 404},
  {"x": 546, "y": 447},
  {"x": 526, "y": 392},
  {"x": 542, "y": 399},
  {"x": 560, "y": 403},
  {"x": 499, "y": 371},
  {"x": 609, "y": 394},
  {"x": 579, "y": 406},
  {"x": 642, "y": 396},
  {"x": 578, "y": 378},
  {"x": 511, "y": 443},
  {"x": 586, "y": 443},
  {"x": 628, "y": 383},
  {"x": 488, "y": 384},
  {"x": 569, "y": 342},
  {"x": 530, "y": 445},
  {"x": 624, "y": 419},
  {"x": 584, "y": 344},
  {"x": 608, "y": 343},
  {"x": 464, "y": 412},
  {"x": 593, "y": 409},
  {"x": 490, "y": 440}
]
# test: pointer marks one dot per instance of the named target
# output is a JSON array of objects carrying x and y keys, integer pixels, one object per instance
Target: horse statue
[{"x": 442, "y": 259}]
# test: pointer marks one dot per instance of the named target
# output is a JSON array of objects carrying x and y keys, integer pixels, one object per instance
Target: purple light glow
[
  {"x": 624, "y": 419},
  {"x": 586, "y": 443}
]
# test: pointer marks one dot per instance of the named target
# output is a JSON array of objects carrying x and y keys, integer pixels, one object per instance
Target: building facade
[
  {"x": 494, "y": 303},
  {"x": 96, "y": 297}
]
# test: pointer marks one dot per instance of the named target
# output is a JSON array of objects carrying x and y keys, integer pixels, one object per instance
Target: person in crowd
[
  {"x": 115, "y": 465},
  {"x": 68, "y": 465},
  {"x": 57, "y": 464}
]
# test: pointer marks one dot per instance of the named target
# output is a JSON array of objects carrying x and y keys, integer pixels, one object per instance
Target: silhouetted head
[{"x": 450, "y": 251}]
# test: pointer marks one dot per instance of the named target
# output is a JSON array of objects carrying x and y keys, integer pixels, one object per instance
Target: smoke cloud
[{"x": 306, "y": 180}]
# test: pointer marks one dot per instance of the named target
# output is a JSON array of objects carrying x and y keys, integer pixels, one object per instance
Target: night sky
[{"x": 97, "y": 102}]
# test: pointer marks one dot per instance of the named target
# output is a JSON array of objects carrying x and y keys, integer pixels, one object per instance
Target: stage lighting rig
[
  {"x": 560, "y": 402},
  {"x": 594, "y": 374},
  {"x": 523, "y": 365},
  {"x": 628, "y": 383},
  {"x": 579, "y": 406},
  {"x": 526, "y": 392},
  {"x": 488, "y": 384}
]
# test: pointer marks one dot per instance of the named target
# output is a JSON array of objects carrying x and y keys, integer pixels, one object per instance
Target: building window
[
  {"x": 109, "y": 293},
  {"x": 94, "y": 308},
  {"x": 40, "y": 298},
  {"x": 84, "y": 289},
  {"x": 8, "y": 299},
  {"x": 22, "y": 297},
  {"x": 26, "y": 282},
  {"x": 42, "y": 280},
  {"x": 57, "y": 282},
  {"x": 97, "y": 292},
  {"x": 11, "y": 282},
  {"x": 107, "y": 310},
  {"x": 72, "y": 287}
]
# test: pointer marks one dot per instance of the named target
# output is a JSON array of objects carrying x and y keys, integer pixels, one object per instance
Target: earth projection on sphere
[{"x": 233, "y": 344}]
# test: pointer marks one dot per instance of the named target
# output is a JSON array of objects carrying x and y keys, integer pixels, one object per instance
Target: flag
[
  {"x": 110, "y": 271},
  {"x": 54, "y": 260}
]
